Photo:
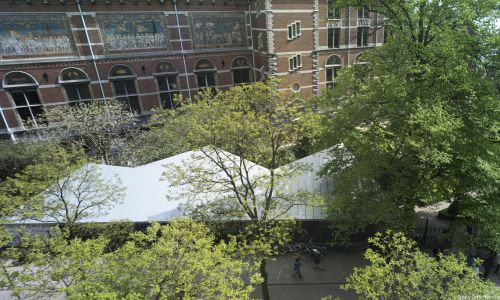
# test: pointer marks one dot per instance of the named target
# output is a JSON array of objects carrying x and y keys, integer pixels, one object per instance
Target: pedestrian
[
  {"x": 296, "y": 268},
  {"x": 488, "y": 264},
  {"x": 316, "y": 256},
  {"x": 497, "y": 261}
]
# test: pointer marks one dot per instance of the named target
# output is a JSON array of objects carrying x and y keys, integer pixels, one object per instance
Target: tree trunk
[{"x": 263, "y": 285}]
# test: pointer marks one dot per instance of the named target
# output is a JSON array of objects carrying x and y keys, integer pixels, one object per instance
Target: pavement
[{"x": 315, "y": 283}]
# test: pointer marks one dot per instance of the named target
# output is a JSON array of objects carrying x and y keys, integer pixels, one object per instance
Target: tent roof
[{"x": 145, "y": 190}]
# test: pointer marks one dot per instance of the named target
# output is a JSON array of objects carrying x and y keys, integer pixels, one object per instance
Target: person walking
[
  {"x": 316, "y": 256},
  {"x": 296, "y": 268},
  {"x": 497, "y": 262}
]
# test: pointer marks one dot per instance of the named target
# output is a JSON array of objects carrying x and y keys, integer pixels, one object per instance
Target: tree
[
  {"x": 397, "y": 269},
  {"x": 16, "y": 156},
  {"x": 62, "y": 186},
  {"x": 415, "y": 126},
  {"x": 245, "y": 138},
  {"x": 149, "y": 145},
  {"x": 102, "y": 127},
  {"x": 178, "y": 260}
]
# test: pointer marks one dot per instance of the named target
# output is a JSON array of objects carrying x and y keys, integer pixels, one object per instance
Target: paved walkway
[{"x": 314, "y": 283}]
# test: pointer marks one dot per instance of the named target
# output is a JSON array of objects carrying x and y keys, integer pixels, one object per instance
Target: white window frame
[
  {"x": 294, "y": 62},
  {"x": 294, "y": 30}
]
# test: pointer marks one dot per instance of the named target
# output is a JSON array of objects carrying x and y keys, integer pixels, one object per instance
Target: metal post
[
  {"x": 91, "y": 50},
  {"x": 182, "y": 49},
  {"x": 251, "y": 34}
]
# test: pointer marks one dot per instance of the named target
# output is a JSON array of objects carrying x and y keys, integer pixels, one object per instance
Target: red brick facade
[{"x": 262, "y": 41}]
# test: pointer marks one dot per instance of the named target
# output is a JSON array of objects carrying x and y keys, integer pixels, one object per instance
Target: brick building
[{"x": 143, "y": 52}]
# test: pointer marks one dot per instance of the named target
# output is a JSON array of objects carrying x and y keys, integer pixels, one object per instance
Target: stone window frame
[
  {"x": 66, "y": 83},
  {"x": 167, "y": 75},
  {"x": 248, "y": 67},
  {"x": 133, "y": 76},
  {"x": 212, "y": 71},
  {"x": 24, "y": 89},
  {"x": 333, "y": 68}
]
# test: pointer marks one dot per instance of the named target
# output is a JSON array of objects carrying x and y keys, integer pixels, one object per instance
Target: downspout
[
  {"x": 11, "y": 134},
  {"x": 251, "y": 34},
  {"x": 91, "y": 50},
  {"x": 182, "y": 48}
]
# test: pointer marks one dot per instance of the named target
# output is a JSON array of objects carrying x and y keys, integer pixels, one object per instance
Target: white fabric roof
[{"x": 145, "y": 191}]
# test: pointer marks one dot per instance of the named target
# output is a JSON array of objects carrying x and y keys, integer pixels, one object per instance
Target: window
[
  {"x": 241, "y": 70},
  {"x": 76, "y": 85},
  {"x": 362, "y": 36},
  {"x": 332, "y": 66},
  {"x": 333, "y": 13},
  {"x": 23, "y": 91},
  {"x": 361, "y": 59},
  {"x": 294, "y": 62},
  {"x": 333, "y": 37},
  {"x": 123, "y": 79},
  {"x": 205, "y": 74},
  {"x": 166, "y": 77},
  {"x": 294, "y": 30},
  {"x": 363, "y": 13}
]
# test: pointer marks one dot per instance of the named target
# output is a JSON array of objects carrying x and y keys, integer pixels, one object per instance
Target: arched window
[
  {"x": 332, "y": 66},
  {"x": 76, "y": 85},
  {"x": 123, "y": 79},
  {"x": 205, "y": 74},
  {"x": 241, "y": 70},
  {"x": 166, "y": 76},
  {"x": 360, "y": 59},
  {"x": 22, "y": 88}
]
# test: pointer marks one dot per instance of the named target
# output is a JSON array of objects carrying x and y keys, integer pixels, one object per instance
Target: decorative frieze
[
  {"x": 133, "y": 31},
  {"x": 215, "y": 30},
  {"x": 35, "y": 34}
]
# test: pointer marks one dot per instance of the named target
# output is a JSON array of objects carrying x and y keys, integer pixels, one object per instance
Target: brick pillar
[
  {"x": 315, "y": 52},
  {"x": 271, "y": 55}
]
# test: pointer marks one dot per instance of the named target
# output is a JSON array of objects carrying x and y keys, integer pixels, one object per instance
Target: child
[{"x": 296, "y": 268}]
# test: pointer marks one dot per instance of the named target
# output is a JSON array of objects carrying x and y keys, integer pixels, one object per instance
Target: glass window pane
[
  {"x": 329, "y": 76},
  {"x": 210, "y": 79},
  {"x": 72, "y": 92},
  {"x": 201, "y": 80},
  {"x": 336, "y": 37},
  {"x": 330, "y": 37},
  {"x": 162, "y": 83},
  {"x": 129, "y": 84},
  {"x": 172, "y": 82},
  {"x": 84, "y": 91},
  {"x": 32, "y": 97},
  {"x": 167, "y": 100},
  {"x": 134, "y": 104},
  {"x": 39, "y": 115},
  {"x": 18, "y": 98},
  {"x": 25, "y": 115},
  {"x": 119, "y": 88}
]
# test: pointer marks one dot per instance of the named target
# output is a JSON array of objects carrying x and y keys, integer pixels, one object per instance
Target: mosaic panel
[
  {"x": 216, "y": 30},
  {"x": 133, "y": 31},
  {"x": 46, "y": 34}
]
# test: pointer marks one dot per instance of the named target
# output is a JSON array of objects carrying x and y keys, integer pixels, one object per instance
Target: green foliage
[
  {"x": 237, "y": 132},
  {"x": 150, "y": 144},
  {"x": 117, "y": 233},
  {"x": 397, "y": 269},
  {"x": 101, "y": 127},
  {"x": 62, "y": 186},
  {"x": 415, "y": 124},
  {"x": 15, "y": 156},
  {"x": 179, "y": 260}
]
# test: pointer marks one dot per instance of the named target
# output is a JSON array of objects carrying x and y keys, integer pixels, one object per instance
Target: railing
[
  {"x": 333, "y": 23},
  {"x": 363, "y": 22}
]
